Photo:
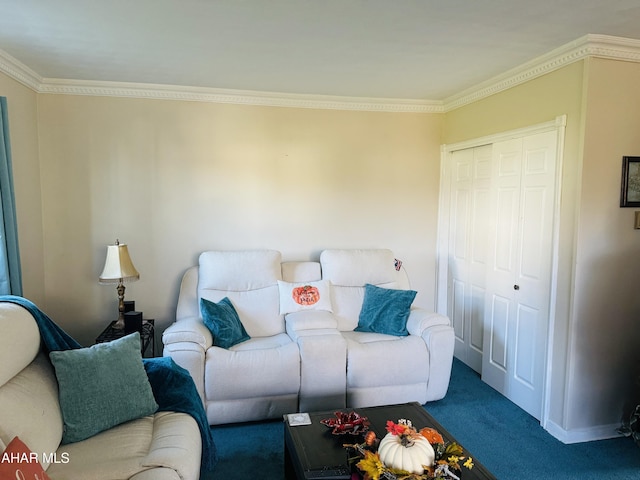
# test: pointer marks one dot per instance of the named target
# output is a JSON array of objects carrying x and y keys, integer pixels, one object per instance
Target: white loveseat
[
  {"x": 311, "y": 359},
  {"x": 163, "y": 446}
]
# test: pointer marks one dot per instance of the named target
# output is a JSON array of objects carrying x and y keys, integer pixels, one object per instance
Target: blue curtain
[{"x": 10, "y": 271}]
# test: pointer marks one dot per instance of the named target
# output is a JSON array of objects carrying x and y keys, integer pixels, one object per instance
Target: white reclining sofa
[{"x": 311, "y": 359}]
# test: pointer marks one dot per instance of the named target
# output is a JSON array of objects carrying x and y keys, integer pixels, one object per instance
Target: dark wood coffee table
[{"x": 312, "y": 452}]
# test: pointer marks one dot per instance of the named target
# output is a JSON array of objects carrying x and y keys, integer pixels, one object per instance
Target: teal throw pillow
[
  {"x": 102, "y": 386},
  {"x": 223, "y": 322},
  {"x": 385, "y": 310}
]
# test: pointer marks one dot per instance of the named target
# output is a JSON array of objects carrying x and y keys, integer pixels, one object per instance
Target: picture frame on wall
[{"x": 630, "y": 191}]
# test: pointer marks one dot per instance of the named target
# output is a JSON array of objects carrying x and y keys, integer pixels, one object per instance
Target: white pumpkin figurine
[{"x": 405, "y": 449}]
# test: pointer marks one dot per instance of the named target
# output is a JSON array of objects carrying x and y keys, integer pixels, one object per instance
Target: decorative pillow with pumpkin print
[{"x": 295, "y": 297}]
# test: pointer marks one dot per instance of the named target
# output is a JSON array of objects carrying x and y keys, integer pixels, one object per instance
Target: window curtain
[{"x": 10, "y": 271}]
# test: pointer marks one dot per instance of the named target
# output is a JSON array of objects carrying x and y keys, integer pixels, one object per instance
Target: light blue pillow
[
  {"x": 102, "y": 386},
  {"x": 385, "y": 310},
  {"x": 223, "y": 322}
]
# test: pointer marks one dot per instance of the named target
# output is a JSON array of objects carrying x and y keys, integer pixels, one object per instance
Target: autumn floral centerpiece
[{"x": 405, "y": 453}]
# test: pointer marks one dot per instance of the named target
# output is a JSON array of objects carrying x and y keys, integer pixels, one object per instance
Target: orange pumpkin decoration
[
  {"x": 306, "y": 295},
  {"x": 432, "y": 435}
]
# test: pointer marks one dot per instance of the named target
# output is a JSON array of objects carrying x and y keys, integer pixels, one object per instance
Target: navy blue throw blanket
[{"x": 172, "y": 385}]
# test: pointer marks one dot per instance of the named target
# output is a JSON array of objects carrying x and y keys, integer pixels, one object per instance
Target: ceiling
[{"x": 400, "y": 49}]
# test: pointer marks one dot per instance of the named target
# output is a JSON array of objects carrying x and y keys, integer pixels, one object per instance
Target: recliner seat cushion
[
  {"x": 166, "y": 439},
  {"x": 374, "y": 359},
  {"x": 259, "y": 367}
]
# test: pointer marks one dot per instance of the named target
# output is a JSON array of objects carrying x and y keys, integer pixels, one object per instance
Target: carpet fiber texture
[{"x": 508, "y": 441}]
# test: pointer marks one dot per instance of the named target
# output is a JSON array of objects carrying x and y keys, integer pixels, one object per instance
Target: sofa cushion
[
  {"x": 310, "y": 320},
  {"x": 166, "y": 439},
  {"x": 259, "y": 367},
  {"x": 250, "y": 280},
  {"x": 102, "y": 386},
  {"x": 239, "y": 270},
  {"x": 355, "y": 268},
  {"x": 385, "y": 310},
  {"x": 295, "y": 297},
  {"x": 375, "y": 360},
  {"x": 223, "y": 322},
  {"x": 349, "y": 271},
  {"x": 301, "y": 271},
  {"x": 18, "y": 461}
]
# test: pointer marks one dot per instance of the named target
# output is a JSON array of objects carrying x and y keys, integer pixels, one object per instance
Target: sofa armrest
[
  {"x": 176, "y": 445},
  {"x": 421, "y": 319},
  {"x": 187, "y": 342},
  {"x": 298, "y": 323},
  {"x": 437, "y": 333},
  {"x": 188, "y": 330}
]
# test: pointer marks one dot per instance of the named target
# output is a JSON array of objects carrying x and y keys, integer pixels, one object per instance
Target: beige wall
[
  {"x": 606, "y": 338},
  {"x": 172, "y": 179},
  {"x": 533, "y": 102},
  {"x": 23, "y": 131}
]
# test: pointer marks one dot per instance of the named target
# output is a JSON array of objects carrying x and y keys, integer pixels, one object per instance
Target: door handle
[{"x": 516, "y": 287}]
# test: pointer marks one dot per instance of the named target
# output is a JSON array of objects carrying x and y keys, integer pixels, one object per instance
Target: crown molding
[
  {"x": 601, "y": 46},
  {"x": 17, "y": 70},
  {"x": 239, "y": 97}
]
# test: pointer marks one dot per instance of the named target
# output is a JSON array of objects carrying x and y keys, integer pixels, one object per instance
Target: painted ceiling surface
[{"x": 407, "y": 49}]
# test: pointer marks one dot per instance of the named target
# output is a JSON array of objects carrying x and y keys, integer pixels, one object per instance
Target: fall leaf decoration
[
  {"x": 371, "y": 465},
  {"x": 346, "y": 423}
]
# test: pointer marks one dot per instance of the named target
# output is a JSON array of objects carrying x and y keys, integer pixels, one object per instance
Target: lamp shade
[{"x": 118, "y": 266}]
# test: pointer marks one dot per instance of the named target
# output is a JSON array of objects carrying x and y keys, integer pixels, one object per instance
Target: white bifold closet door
[{"x": 502, "y": 202}]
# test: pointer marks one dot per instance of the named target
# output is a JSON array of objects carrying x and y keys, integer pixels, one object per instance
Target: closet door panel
[
  {"x": 519, "y": 270},
  {"x": 459, "y": 239},
  {"x": 469, "y": 200}
]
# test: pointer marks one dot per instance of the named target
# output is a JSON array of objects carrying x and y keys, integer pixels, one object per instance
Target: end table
[{"x": 147, "y": 336}]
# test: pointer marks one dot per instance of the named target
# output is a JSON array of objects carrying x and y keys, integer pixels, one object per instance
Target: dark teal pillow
[
  {"x": 102, "y": 386},
  {"x": 223, "y": 322},
  {"x": 385, "y": 310}
]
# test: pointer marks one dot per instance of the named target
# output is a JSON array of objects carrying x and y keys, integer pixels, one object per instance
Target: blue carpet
[
  {"x": 513, "y": 445},
  {"x": 508, "y": 441}
]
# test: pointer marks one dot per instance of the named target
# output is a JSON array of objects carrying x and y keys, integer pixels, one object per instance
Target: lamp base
[{"x": 119, "y": 325}]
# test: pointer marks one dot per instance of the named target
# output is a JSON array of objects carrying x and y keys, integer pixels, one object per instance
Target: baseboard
[{"x": 579, "y": 435}]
